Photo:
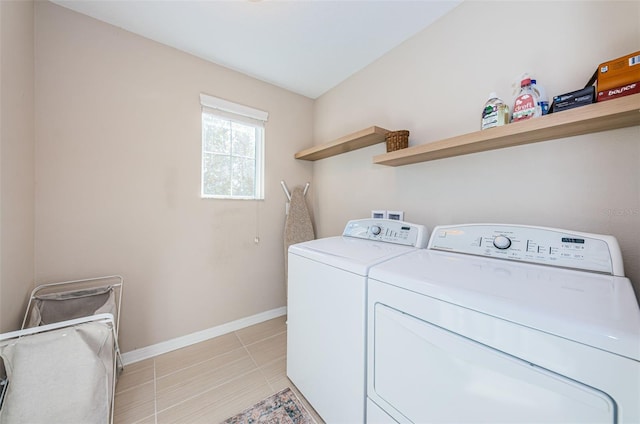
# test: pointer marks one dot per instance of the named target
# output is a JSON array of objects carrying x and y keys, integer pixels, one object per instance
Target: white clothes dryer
[
  {"x": 504, "y": 324},
  {"x": 326, "y": 312}
]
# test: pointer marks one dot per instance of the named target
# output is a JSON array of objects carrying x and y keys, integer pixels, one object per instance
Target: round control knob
[
  {"x": 502, "y": 242},
  {"x": 375, "y": 230}
]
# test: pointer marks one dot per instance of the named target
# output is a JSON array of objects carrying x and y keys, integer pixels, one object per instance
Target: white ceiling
[{"x": 306, "y": 46}]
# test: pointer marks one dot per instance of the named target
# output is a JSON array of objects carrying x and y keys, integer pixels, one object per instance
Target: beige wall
[
  {"x": 118, "y": 179},
  {"x": 436, "y": 84},
  {"x": 16, "y": 160}
]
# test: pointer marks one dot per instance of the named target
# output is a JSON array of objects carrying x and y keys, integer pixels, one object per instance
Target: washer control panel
[
  {"x": 388, "y": 231},
  {"x": 548, "y": 246}
]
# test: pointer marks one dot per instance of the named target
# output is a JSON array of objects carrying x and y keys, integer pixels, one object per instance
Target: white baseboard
[{"x": 200, "y": 336}]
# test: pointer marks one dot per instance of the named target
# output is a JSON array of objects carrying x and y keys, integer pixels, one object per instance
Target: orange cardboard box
[{"x": 619, "y": 72}]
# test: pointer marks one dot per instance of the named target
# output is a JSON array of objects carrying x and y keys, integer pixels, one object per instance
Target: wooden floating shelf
[
  {"x": 612, "y": 114},
  {"x": 357, "y": 140}
]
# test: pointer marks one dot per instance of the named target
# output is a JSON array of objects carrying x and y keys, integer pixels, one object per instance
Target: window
[{"x": 232, "y": 150}]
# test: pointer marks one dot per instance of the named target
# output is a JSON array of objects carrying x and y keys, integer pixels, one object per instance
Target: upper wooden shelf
[
  {"x": 609, "y": 115},
  {"x": 357, "y": 140}
]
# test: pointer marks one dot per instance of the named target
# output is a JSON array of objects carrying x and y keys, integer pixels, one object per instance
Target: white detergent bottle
[
  {"x": 526, "y": 104},
  {"x": 495, "y": 112},
  {"x": 543, "y": 100}
]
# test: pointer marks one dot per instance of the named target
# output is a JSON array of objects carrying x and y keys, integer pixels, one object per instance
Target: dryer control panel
[
  {"x": 388, "y": 231},
  {"x": 548, "y": 246}
]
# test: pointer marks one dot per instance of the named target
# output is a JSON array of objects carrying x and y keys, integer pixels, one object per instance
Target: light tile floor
[{"x": 209, "y": 381}]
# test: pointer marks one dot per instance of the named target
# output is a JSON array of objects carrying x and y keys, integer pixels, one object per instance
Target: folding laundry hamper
[{"x": 62, "y": 366}]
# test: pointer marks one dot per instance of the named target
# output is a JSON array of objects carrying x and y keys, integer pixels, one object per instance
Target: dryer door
[{"x": 425, "y": 373}]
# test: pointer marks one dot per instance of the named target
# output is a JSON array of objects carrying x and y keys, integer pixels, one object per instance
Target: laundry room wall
[
  {"x": 16, "y": 160},
  {"x": 435, "y": 85},
  {"x": 118, "y": 139}
]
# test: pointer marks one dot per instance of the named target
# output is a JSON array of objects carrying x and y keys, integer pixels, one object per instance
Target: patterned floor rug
[{"x": 282, "y": 408}]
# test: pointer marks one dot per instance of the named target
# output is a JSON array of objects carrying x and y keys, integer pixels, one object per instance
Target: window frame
[{"x": 243, "y": 115}]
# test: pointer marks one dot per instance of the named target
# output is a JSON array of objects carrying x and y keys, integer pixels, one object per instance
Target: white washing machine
[
  {"x": 326, "y": 312},
  {"x": 504, "y": 324}
]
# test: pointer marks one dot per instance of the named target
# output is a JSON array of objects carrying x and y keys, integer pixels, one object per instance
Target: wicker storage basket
[{"x": 397, "y": 140}]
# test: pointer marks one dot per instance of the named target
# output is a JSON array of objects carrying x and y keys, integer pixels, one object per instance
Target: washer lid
[
  {"x": 590, "y": 308},
  {"x": 348, "y": 253}
]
